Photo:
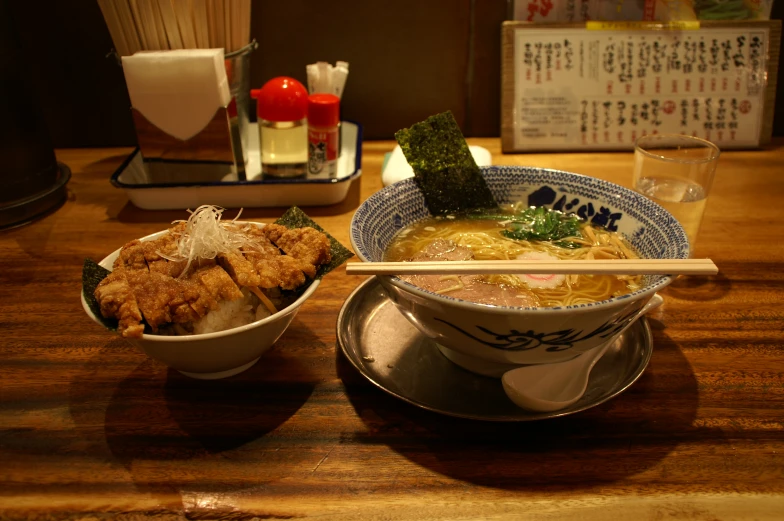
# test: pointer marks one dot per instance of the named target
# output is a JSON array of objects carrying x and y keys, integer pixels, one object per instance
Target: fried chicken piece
[
  {"x": 176, "y": 268},
  {"x": 291, "y": 274},
  {"x": 266, "y": 266},
  {"x": 308, "y": 268},
  {"x": 199, "y": 298},
  {"x": 263, "y": 256},
  {"x": 131, "y": 256},
  {"x": 273, "y": 268},
  {"x": 287, "y": 271},
  {"x": 240, "y": 269},
  {"x": 306, "y": 244},
  {"x": 281, "y": 271},
  {"x": 117, "y": 300},
  {"x": 259, "y": 240},
  {"x": 217, "y": 282},
  {"x": 163, "y": 299},
  {"x": 273, "y": 232},
  {"x": 167, "y": 245}
]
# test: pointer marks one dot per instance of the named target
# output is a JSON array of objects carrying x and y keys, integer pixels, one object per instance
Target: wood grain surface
[
  {"x": 92, "y": 429},
  {"x": 212, "y": 143}
]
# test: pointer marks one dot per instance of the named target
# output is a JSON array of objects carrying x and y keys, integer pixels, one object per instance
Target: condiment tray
[
  {"x": 254, "y": 192},
  {"x": 393, "y": 355}
]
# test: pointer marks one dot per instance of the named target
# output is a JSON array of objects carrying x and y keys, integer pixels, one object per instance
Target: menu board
[{"x": 576, "y": 88}]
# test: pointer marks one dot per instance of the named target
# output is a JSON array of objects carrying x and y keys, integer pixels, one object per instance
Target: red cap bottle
[
  {"x": 323, "y": 110},
  {"x": 282, "y": 107},
  {"x": 323, "y": 135},
  {"x": 281, "y": 99}
]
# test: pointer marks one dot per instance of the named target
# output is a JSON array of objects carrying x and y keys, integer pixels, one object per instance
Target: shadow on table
[
  {"x": 164, "y": 427},
  {"x": 178, "y": 417},
  {"x": 700, "y": 289},
  {"x": 623, "y": 437}
]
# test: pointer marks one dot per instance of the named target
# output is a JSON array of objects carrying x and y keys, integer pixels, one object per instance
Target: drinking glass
[{"x": 676, "y": 171}]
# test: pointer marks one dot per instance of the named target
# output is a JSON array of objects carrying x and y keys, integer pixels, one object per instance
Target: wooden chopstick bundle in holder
[
  {"x": 533, "y": 267},
  {"x": 159, "y": 25}
]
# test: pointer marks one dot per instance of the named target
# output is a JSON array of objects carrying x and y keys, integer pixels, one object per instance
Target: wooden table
[{"x": 93, "y": 429}]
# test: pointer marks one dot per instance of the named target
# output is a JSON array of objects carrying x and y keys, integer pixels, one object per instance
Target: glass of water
[{"x": 676, "y": 171}]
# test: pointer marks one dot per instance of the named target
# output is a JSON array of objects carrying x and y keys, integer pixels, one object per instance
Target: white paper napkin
[{"x": 177, "y": 91}]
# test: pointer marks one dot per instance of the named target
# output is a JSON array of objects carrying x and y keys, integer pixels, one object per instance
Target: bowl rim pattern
[{"x": 680, "y": 236}]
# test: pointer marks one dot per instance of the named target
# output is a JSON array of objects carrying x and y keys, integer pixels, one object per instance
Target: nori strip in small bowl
[
  {"x": 444, "y": 169},
  {"x": 92, "y": 275}
]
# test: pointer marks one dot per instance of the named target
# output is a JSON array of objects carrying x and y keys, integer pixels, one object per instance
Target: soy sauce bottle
[{"x": 281, "y": 107}]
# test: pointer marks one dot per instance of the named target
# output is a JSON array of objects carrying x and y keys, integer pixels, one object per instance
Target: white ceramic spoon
[{"x": 551, "y": 387}]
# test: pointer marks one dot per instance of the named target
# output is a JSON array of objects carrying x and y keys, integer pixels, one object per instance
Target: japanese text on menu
[{"x": 604, "y": 89}]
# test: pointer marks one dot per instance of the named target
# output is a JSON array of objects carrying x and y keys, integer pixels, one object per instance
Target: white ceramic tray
[{"x": 132, "y": 177}]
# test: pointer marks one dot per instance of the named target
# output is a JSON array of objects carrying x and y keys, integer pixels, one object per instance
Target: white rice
[{"x": 231, "y": 314}]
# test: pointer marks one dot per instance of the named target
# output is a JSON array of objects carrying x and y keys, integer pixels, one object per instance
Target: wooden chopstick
[
  {"x": 201, "y": 22},
  {"x": 169, "y": 20},
  {"x": 123, "y": 10},
  {"x": 114, "y": 25},
  {"x": 613, "y": 267},
  {"x": 136, "y": 25}
]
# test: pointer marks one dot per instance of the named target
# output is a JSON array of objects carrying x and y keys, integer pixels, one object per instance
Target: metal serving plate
[{"x": 390, "y": 352}]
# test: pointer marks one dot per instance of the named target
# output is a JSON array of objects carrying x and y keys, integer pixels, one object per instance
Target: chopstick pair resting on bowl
[{"x": 567, "y": 267}]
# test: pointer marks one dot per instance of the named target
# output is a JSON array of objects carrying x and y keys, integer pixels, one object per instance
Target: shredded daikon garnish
[{"x": 205, "y": 236}]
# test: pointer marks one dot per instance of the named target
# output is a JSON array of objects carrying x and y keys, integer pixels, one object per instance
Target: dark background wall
[{"x": 408, "y": 59}]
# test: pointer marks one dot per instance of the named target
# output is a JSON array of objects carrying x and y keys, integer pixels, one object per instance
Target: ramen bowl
[
  {"x": 491, "y": 340},
  {"x": 216, "y": 355}
]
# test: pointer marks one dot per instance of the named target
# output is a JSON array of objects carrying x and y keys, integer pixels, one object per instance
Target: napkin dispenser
[{"x": 185, "y": 116}]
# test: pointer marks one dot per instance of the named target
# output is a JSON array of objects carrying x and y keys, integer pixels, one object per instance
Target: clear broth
[{"x": 484, "y": 239}]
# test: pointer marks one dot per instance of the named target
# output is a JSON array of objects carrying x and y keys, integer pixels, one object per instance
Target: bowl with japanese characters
[{"x": 490, "y": 324}]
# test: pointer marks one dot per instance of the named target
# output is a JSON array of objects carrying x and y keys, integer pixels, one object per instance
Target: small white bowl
[{"x": 213, "y": 355}]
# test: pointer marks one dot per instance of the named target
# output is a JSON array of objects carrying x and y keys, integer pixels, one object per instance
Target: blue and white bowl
[{"x": 493, "y": 339}]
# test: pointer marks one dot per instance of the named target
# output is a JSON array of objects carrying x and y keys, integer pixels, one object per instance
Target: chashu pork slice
[{"x": 467, "y": 287}]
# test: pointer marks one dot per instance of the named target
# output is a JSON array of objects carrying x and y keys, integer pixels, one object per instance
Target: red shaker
[{"x": 323, "y": 135}]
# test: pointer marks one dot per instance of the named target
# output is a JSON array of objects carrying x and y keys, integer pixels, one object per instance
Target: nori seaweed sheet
[
  {"x": 444, "y": 169},
  {"x": 92, "y": 275}
]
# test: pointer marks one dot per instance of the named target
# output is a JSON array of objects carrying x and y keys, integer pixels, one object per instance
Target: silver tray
[{"x": 393, "y": 355}]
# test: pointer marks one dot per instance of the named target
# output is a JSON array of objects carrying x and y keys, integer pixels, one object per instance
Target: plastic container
[{"x": 281, "y": 107}]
